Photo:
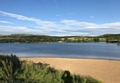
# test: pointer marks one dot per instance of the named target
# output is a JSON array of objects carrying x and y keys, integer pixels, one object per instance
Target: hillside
[{"x": 30, "y": 38}]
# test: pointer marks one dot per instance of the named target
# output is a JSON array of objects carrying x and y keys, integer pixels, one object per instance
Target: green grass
[{"x": 14, "y": 71}]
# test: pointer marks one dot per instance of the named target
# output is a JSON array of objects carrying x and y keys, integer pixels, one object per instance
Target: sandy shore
[{"x": 107, "y": 71}]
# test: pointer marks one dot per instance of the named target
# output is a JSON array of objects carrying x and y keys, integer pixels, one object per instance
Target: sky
[{"x": 60, "y": 17}]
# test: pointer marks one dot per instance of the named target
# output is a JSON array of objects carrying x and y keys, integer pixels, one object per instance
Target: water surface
[{"x": 70, "y": 50}]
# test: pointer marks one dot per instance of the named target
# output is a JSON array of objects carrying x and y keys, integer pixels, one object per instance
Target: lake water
[{"x": 70, "y": 50}]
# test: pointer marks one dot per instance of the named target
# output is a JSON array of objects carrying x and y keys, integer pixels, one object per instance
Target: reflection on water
[{"x": 118, "y": 44}]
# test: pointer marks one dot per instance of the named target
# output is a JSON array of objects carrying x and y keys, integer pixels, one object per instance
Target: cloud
[
  {"x": 76, "y": 23},
  {"x": 112, "y": 25},
  {"x": 92, "y": 17},
  {"x": 6, "y": 22},
  {"x": 90, "y": 25},
  {"x": 21, "y": 17},
  {"x": 17, "y": 29},
  {"x": 64, "y": 27}
]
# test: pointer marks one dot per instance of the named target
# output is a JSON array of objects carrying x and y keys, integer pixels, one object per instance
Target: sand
[{"x": 108, "y": 71}]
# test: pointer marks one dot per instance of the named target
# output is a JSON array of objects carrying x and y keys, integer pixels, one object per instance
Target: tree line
[{"x": 28, "y": 38}]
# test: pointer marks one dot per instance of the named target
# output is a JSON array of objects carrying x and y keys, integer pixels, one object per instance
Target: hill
[{"x": 30, "y": 38}]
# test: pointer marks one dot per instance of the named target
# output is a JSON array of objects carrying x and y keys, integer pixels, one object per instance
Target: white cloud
[
  {"x": 64, "y": 27},
  {"x": 21, "y": 17},
  {"x": 112, "y": 25},
  {"x": 17, "y": 29},
  {"x": 6, "y": 22},
  {"x": 76, "y": 23},
  {"x": 90, "y": 25}
]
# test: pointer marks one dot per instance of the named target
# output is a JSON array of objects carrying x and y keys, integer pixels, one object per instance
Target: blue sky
[{"x": 60, "y": 17}]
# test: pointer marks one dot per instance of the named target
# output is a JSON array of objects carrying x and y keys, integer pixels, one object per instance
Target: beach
[{"x": 108, "y": 71}]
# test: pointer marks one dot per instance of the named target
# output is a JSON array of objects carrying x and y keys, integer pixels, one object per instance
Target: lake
[{"x": 70, "y": 50}]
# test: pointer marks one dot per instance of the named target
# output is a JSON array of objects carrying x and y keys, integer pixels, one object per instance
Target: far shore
[{"x": 107, "y": 71}]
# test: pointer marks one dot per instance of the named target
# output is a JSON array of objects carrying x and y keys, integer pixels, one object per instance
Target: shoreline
[
  {"x": 69, "y": 57},
  {"x": 104, "y": 70}
]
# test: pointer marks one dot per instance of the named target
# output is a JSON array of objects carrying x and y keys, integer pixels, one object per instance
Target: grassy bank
[{"x": 12, "y": 70}]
